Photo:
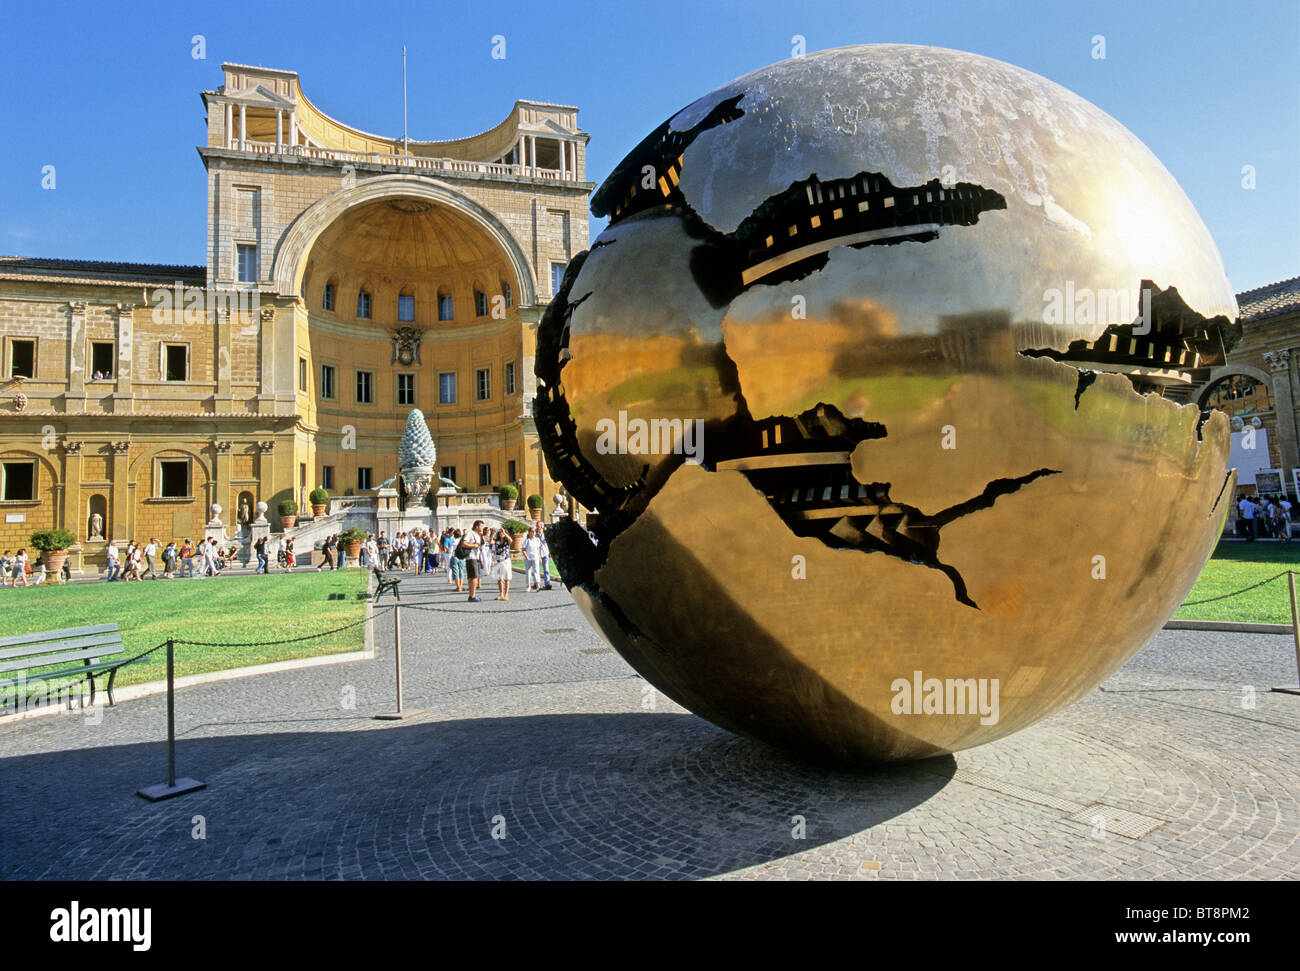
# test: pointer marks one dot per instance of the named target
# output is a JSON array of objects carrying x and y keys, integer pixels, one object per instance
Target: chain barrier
[
  {"x": 287, "y": 640},
  {"x": 1193, "y": 603}
]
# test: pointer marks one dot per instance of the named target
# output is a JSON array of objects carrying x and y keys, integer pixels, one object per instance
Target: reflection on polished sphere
[{"x": 874, "y": 383}]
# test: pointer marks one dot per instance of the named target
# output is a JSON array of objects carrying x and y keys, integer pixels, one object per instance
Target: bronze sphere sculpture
[{"x": 872, "y": 383}]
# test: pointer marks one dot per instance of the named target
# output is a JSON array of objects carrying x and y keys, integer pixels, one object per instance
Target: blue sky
[{"x": 109, "y": 94}]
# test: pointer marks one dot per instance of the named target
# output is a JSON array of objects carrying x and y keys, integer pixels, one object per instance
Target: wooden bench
[
  {"x": 386, "y": 583},
  {"x": 89, "y": 645}
]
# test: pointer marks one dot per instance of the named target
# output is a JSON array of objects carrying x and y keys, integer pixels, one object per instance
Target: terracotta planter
[
  {"x": 352, "y": 548},
  {"x": 54, "y": 560},
  {"x": 288, "y": 522},
  {"x": 516, "y": 542},
  {"x": 536, "y": 513},
  {"x": 508, "y": 504},
  {"x": 318, "y": 509}
]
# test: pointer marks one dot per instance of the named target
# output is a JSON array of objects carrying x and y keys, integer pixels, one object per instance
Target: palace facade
[
  {"x": 1259, "y": 386},
  {"x": 349, "y": 278}
]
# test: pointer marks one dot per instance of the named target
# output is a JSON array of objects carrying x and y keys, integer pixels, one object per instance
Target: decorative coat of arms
[{"x": 406, "y": 346}]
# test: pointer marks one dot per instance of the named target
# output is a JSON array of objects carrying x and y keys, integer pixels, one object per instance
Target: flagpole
[{"x": 406, "y": 150}]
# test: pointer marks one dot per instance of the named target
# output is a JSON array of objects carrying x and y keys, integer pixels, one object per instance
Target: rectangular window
[
  {"x": 327, "y": 477},
  {"x": 449, "y": 472},
  {"x": 363, "y": 305},
  {"x": 511, "y": 470},
  {"x": 406, "y": 389},
  {"x": 176, "y": 362},
  {"x": 327, "y": 381},
  {"x": 302, "y": 374},
  {"x": 363, "y": 477},
  {"x": 174, "y": 479},
  {"x": 22, "y": 359},
  {"x": 485, "y": 473},
  {"x": 444, "y": 307},
  {"x": 557, "y": 277},
  {"x": 483, "y": 383},
  {"x": 101, "y": 359},
  {"x": 405, "y": 307},
  {"x": 327, "y": 301},
  {"x": 19, "y": 483},
  {"x": 246, "y": 259},
  {"x": 480, "y": 303},
  {"x": 510, "y": 377},
  {"x": 447, "y": 388},
  {"x": 365, "y": 387}
]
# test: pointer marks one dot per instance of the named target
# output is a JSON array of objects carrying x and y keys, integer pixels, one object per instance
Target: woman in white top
[{"x": 20, "y": 567}]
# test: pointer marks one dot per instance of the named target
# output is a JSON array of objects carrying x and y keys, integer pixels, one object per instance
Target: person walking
[
  {"x": 1248, "y": 511},
  {"x": 456, "y": 563},
  {"x": 259, "y": 548},
  {"x": 502, "y": 569},
  {"x": 114, "y": 563},
  {"x": 150, "y": 551},
  {"x": 449, "y": 545},
  {"x": 544, "y": 556},
  {"x": 343, "y": 552},
  {"x": 532, "y": 559},
  {"x": 469, "y": 543},
  {"x": 6, "y": 568},
  {"x": 169, "y": 560},
  {"x": 20, "y": 568},
  {"x": 327, "y": 554},
  {"x": 133, "y": 557}
]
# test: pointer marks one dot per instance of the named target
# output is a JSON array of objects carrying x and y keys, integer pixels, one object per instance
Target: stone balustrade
[{"x": 408, "y": 162}]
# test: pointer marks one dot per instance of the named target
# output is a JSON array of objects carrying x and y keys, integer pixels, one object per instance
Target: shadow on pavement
[{"x": 572, "y": 796}]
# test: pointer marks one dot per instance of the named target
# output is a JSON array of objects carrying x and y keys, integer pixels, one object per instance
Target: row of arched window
[{"x": 406, "y": 303}]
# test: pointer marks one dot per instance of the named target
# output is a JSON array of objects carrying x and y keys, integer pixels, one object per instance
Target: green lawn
[
  {"x": 219, "y": 609},
  {"x": 1237, "y": 565}
]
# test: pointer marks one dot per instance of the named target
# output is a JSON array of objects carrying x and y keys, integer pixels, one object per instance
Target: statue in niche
[{"x": 96, "y": 526}]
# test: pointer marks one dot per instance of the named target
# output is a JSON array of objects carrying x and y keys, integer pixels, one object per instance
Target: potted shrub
[
  {"x": 54, "y": 544},
  {"x": 509, "y": 496},
  {"x": 352, "y": 538},
  {"x": 535, "y": 506},
  {"x": 516, "y": 528},
  {"x": 288, "y": 510},
  {"x": 319, "y": 501}
]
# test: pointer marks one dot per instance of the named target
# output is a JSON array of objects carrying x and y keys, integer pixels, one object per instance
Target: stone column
[
  {"x": 76, "y": 398},
  {"x": 229, "y": 122},
  {"x": 266, "y": 340},
  {"x": 121, "y": 515},
  {"x": 243, "y": 128},
  {"x": 222, "y": 404},
  {"x": 266, "y": 473},
  {"x": 221, "y": 489},
  {"x": 72, "y": 517},
  {"x": 122, "y": 393},
  {"x": 293, "y": 127},
  {"x": 279, "y": 128},
  {"x": 1279, "y": 364}
]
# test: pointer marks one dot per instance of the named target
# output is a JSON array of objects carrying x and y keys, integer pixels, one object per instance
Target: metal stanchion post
[
  {"x": 173, "y": 786},
  {"x": 1295, "y": 632},
  {"x": 397, "y": 655}
]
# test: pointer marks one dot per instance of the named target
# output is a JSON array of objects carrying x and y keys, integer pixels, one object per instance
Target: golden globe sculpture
[{"x": 875, "y": 385}]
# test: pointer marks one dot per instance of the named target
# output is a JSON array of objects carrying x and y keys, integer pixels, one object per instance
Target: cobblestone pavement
[{"x": 535, "y": 732}]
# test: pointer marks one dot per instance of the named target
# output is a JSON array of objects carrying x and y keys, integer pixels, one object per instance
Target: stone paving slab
[{"x": 539, "y": 756}]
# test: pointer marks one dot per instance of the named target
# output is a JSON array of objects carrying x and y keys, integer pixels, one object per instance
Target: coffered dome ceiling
[{"x": 407, "y": 239}]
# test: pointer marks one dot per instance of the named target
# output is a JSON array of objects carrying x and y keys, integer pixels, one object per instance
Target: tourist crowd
[
  {"x": 1264, "y": 516},
  {"x": 465, "y": 557}
]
